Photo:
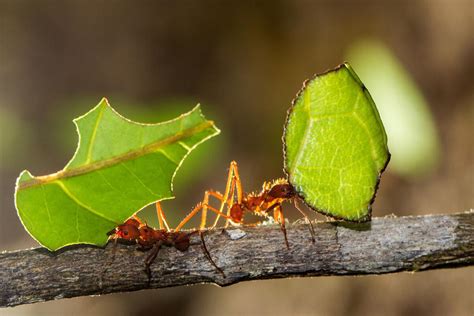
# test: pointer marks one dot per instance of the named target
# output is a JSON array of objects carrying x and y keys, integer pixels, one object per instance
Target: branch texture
[{"x": 384, "y": 245}]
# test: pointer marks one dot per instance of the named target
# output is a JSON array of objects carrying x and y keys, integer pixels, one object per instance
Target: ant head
[
  {"x": 282, "y": 191},
  {"x": 236, "y": 213},
  {"x": 126, "y": 232}
]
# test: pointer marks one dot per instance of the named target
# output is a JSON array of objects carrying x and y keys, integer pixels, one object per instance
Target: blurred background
[{"x": 244, "y": 61}]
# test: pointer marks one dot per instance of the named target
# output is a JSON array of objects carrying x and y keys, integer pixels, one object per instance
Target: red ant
[
  {"x": 270, "y": 198},
  {"x": 135, "y": 231}
]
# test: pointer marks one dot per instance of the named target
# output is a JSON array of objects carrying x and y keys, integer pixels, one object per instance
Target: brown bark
[{"x": 384, "y": 245}]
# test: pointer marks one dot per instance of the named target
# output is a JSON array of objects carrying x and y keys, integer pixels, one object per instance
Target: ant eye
[{"x": 125, "y": 233}]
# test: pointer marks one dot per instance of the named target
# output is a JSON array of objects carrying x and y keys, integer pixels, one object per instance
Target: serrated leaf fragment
[
  {"x": 119, "y": 167},
  {"x": 335, "y": 145}
]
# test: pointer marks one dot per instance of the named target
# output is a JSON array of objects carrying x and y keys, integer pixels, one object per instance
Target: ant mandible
[
  {"x": 148, "y": 238},
  {"x": 270, "y": 198}
]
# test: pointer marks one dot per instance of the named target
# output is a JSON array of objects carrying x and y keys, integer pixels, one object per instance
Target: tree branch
[{"x": 385, "y": 245}]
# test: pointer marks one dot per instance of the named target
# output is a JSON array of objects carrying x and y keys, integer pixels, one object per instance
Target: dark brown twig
[{"x": 385, "y": 245}]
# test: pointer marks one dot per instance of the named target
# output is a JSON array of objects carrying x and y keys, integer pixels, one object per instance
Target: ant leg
[
  {"x": 208, "y": 255},
  {"x": 161, "y": 217},
  {"x": 232, "y": 179},
  {"x": 219, "y": 213},
  {"x": 230, "y": 203},
  {"x": 237, "y": 184},
  {"x": 205, "y": 202},
  {"x": 151, "y": 257},
  {"x": 215, "y": 194},
  {"x": 196, "y": 209},
  {"x": 311, "y": 228},
  {"x": 278, "y": 216}
]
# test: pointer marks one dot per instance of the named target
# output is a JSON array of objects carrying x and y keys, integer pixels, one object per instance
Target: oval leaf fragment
[
  {"x": 335, "y": 145},
  {"x": 119, "y": 167}
]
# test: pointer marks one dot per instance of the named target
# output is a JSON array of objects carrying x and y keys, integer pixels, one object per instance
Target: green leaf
[
  {"x": 335, "y": 145},
  {"x": 119, "y": 167}
]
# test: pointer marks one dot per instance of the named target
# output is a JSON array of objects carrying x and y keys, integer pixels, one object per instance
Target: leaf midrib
[
  {"x": 150, "y": 148},
  {"x": 76, "y": 200}
]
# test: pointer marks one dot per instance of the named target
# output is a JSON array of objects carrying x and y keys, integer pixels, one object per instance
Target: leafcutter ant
[
  {"x": 148, "y": 238},
  {"x": 270, "y": 198}
]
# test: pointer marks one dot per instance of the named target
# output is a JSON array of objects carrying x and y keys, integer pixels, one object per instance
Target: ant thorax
[{"x": 273, "y": 193}]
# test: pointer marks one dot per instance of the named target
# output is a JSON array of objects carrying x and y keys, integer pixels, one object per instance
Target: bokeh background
[{"x": 244, "y": 61}]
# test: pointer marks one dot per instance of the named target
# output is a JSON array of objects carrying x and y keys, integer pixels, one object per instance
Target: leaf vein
[
  {"x": 167, "y": 156},
  {"x": 184, "y": 146},
  {"x": 94, "y": 133},
  {"x": 78, "y": 202},
  {"x": 137, "y": 178}
]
